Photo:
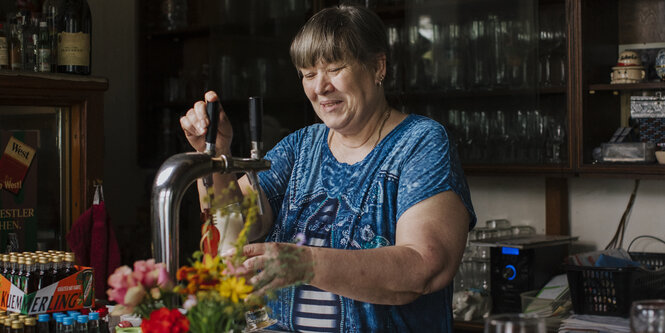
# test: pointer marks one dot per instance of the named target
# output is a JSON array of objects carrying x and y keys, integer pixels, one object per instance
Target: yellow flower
[{"x": 234, "y": 288}]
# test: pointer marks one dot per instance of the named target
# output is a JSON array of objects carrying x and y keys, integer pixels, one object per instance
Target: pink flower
[
  {"x": 190, "y": 302},
  {"x": 163, "y": 278},
  {"x": 151, "y": 274},
  {"x": 144, "y": 272},
  {"x": 120, "y": 282}
]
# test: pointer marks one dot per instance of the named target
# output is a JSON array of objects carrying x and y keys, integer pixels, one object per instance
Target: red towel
[{"x": 93, "y": 241}]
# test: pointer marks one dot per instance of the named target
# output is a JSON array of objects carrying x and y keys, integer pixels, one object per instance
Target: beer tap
[
  {"x": 212, "y": 109},
  {"x": 180, "y": 171},
  {"x": 255, "y": 123}
]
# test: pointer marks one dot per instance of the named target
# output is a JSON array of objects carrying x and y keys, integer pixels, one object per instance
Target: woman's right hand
[{"x": 195, "y": 126}]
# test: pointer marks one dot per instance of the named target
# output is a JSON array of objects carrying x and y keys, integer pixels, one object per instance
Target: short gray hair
[{"x": 341, "y": 33}]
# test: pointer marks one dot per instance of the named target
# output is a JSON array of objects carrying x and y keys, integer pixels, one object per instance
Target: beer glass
[
  {"x": 515, "y": 323},
  {"x": 647, "y": 316}
]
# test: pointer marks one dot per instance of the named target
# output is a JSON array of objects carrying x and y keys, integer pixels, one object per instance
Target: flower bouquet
[{"x": 215, "y": 297}]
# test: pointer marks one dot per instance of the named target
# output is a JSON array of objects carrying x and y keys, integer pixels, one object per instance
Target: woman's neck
[{"x": 352, "y": 148}]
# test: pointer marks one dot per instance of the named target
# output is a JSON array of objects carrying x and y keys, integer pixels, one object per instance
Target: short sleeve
[
  {"x": 275, "y": 180},
  {"x": 431, "y": 168}
]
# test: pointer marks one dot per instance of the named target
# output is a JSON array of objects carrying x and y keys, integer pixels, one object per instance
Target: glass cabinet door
[
  {"x": 34, "y": 177},
  {"x": 493, "y": 72},
  {"x": 249, "y": 56}
]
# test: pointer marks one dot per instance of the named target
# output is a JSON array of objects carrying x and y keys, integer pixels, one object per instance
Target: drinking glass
[
  {"x": 258, "y": 319},
  {"x": 647, "y": 316},
  {"x": 515, "y": 323}
]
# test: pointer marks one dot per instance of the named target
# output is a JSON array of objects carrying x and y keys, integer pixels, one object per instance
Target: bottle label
[
  {"x": 44, "y": 60},
  {"x": 4, "y": 52},
  {"x": 73, "y": 49}
]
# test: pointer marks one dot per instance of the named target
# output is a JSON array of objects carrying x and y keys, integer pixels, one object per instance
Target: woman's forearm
[{"x": 389, "y": 275}]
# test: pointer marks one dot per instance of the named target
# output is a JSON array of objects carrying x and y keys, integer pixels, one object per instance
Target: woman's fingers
[
  {"x": 187, "y": 125},
  {"x": 272, "y": 285},
  {"x": 211, "y": 96},
  {"x": 201, "y": 116}
]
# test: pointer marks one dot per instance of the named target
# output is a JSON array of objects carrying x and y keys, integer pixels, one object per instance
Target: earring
[{"x": 380, "y": 83}]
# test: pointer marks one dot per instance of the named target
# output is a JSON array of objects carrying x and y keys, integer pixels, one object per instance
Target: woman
[{"x": 379, "y": 195}]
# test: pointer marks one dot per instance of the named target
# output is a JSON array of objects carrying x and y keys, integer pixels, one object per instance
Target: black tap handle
[
  {"x": 212, "y": 108},
  {"x": 255, "y": 118}
]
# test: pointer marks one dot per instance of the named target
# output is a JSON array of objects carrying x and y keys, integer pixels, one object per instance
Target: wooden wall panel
[{"x": 641, "y": 21}]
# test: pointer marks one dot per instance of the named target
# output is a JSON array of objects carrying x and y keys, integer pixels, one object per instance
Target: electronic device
[{"x": 518, "y": 265}]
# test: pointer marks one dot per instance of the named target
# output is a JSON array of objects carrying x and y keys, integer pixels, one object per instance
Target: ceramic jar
[
  {"x": 629, "y": 69},
  {"x": 627, "y": 74},
  {"x": 629, "y": 58}
]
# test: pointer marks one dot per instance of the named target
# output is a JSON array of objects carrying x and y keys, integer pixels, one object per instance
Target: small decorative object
[
  {"x": 660, "y": 64},
  {"x": 628, "y": 74},
  {"x": 629, "y": 58},
  {"x": 629, "y": 69}
]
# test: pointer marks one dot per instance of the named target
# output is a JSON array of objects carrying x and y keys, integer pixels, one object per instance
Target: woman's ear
[{"x": 380, "y": 72}]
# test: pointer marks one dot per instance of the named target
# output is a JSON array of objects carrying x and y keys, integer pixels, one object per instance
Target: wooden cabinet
[
  {"x": 64, "y": 113},
  {"x": 237, "y": 48},
  {"x": 599, "y": 29},
  {"x": 515, "y": 83}
]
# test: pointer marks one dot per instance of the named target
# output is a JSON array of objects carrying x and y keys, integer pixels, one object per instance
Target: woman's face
[{"x": 344, "y": 95}]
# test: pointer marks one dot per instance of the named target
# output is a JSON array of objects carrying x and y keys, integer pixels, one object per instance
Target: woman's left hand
[{"x": 277, "y": 265}]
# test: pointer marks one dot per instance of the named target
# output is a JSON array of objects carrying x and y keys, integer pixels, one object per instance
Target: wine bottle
[
  {"x": 52, "y": 12},
  {"x": 15, "y": 45},
  {"x": 74, "y": 38},
  {"x": 4, "y": 48},
  {"x": 44, "y": 48}
]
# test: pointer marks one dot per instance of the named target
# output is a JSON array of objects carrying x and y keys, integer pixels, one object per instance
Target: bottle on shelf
[
  {"x": 43, "y": 271},
  {"x": 43, "y": 323},
  {"x": 8, "y": 325},
  {"x": 82, "y": 324},
  {"x": 30, "y": 325},
  {"x": 69, "y": 264},
  {"x": 15, "y": 45},
  {"x": 44, "y": 48},
  {"x": 17, "y": 327},
  {"x": 56, "y": 269},
  {"x": 93, "y": 322},
  {"x": 57, "y": 320},
  {"x": 74, "y": 38},
  {"x": 67, "y": 325},
  {"x": 31, "y": 277},
  {"x": 20, "y": 272},
  {"x": 30, "y": 37},
  {"x": 4, "y": 48},
  {"x": 5, "y": 265},
  {"x": 51, "y": 12},
  {"x": 13, "y": 263}
]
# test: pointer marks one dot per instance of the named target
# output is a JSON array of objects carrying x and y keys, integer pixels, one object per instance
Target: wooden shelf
[
  {"x": 546, "y": 170},
  {"x": 499, "y": 92},
  {"x": 625, "y": 170},
  {"x": 50, "y": 81},
  {"x": 626, "y": 86}
]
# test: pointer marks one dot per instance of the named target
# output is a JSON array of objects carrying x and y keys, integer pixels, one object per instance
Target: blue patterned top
[{"x": 357, "y": 206}]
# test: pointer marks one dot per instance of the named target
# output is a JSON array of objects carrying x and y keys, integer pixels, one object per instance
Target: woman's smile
[{"x": 330, "y": 106}]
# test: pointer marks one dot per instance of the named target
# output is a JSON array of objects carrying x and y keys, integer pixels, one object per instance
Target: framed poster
[{"x": 34, "y": 173}]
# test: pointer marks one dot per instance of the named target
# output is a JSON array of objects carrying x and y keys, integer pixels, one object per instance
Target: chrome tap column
[{"x": 175, "y": 175}]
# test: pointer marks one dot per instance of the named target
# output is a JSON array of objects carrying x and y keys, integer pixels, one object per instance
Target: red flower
[{"x": 164, "y": 320}]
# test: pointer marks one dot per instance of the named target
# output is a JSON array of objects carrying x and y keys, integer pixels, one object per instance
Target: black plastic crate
[{"x": 610, "y": 291}]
